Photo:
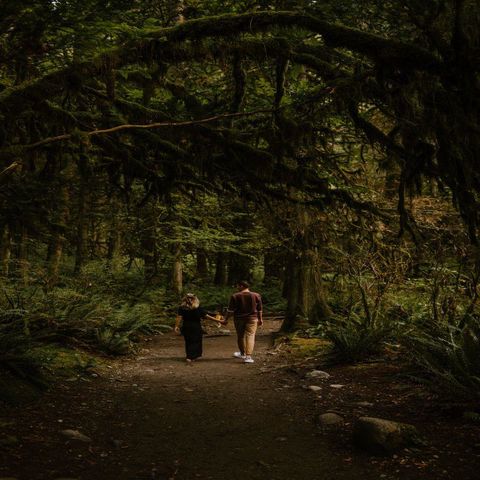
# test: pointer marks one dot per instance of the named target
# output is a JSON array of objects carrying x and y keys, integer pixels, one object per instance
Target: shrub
[
  {"x": 356, "y": 338},
  {"x": 449, "y": 358}
]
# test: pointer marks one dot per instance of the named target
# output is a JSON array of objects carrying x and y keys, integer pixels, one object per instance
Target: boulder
[
  {"x": 330, "y": 418},
  {"x": 381, "y": 436}
]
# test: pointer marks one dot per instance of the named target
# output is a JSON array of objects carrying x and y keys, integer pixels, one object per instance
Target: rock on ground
[
  {"x": 317, "y": 374},
  {"x": 383, "y": 436},
  {"x": 330, "y": 419},
  {"x": 76, "y": 435}
]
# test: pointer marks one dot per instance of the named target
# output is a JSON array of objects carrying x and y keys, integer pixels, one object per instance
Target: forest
[{"x": 325, "y": 151}]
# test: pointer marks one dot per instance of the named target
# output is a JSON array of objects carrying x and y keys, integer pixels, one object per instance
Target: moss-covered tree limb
[
  {"x": 160, "y": 43},
  {"x": 374, "y": 46},
  {"x": 20, "y": 150}
]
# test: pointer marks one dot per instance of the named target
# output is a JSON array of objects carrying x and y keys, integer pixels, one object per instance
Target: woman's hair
[{"x": 190, "y": 302}]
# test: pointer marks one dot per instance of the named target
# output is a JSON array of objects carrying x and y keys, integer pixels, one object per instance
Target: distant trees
[{"x": 258, "y": 110}]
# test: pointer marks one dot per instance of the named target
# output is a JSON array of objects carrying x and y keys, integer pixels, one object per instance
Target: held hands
[{"x": 220, "y": 320}]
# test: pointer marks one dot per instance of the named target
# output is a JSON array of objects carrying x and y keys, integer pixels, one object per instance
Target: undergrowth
[
  {"x": 433, "y": 321},
  {"x": 448, "y": 358},
  {"x": 98, "y": 312}
]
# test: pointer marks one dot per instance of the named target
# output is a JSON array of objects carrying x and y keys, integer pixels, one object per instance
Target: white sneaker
[
  {"x": 238, "y": 355},
  {"x": 248, "y": 359}
]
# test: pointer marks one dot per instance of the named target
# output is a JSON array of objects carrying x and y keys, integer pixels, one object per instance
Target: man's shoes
[
  {"x": 248, "y": 359},
  {"x": 239, "y": 355}
]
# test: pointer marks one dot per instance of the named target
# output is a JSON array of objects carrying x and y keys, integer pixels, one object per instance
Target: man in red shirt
[{"x": 246, "y": 308}]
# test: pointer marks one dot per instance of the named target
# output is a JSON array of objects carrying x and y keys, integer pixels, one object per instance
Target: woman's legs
[{"x": 193, "y": 343}]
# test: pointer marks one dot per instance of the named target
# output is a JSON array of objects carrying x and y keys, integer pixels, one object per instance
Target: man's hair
[{"x": 243, "y": 284}]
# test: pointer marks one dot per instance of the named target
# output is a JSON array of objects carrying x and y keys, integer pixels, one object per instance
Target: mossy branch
[
  {"x": 163, "y": 40},
  {"x": 20, "y": 150},
  {"x": 336, "y": 35}
]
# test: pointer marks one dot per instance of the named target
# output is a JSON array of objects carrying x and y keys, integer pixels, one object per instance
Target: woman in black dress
[{"x": 188, "y": 323}]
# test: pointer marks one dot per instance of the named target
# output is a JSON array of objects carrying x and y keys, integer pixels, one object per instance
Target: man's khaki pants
[{"x": 246, "y": 328}]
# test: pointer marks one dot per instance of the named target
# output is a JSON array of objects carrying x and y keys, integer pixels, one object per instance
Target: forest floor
[{"x": 155, "y": 417}]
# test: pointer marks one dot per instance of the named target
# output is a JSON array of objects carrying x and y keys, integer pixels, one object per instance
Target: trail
[{"x": 155, "y": 417}]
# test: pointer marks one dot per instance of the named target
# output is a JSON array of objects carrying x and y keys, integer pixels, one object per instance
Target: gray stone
[
  {"x": 314, "y": 388},
  {"x": 317, "y": 374},
  {"x": 383, "y": 436},
  {"x": 76, "y": 435},
  {"x": 330, "y": 419}
]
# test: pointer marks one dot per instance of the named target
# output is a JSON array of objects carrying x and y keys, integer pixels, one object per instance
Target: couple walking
[{"x": 245, "y": 307}]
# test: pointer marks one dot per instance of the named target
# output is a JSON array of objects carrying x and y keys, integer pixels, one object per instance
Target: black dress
[{"x": 192, "y": 331}]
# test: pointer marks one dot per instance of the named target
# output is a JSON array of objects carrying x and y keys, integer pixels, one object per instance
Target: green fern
[
  {"x": 113, "y": 342},
  {"x": 355, "y": 338},
  {"x": 449, "y": 358}
]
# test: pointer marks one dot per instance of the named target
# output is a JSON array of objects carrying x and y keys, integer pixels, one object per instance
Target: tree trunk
[
  {"x": 239, "y": 268},
  {"x": 55, "y": 248},
  {"x": 202, "y": 263},
  {"x": 177, "y": 272},
  {"x": 290, "y": 292},
  {"x": 149, "y": 241},
  {"x": 82, "y": 226},
  {"x": 23, "y": 254},
  {"x": 273, "y": 266},
  {"x": 114, "y": 235},
  {"x": 289, "y": 275},
  {"x": 6, "y": 250},
  {"x": 221, "y": 272},
  {"x": 306, "y": 303}
]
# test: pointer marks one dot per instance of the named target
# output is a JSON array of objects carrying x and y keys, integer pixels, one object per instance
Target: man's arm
[{"x": 260, "y": 310}]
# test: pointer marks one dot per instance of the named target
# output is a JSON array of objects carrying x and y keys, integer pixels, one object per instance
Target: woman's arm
[
  {"x": 214, "y": 319},
  {"x": 178, "y": 321}
]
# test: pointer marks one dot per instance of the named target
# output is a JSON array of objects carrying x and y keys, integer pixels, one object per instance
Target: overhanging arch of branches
[{"x": 427, "y": 96}]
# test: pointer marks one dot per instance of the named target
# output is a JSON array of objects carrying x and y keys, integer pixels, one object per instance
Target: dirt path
[{"x": 157, "y": 418}]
